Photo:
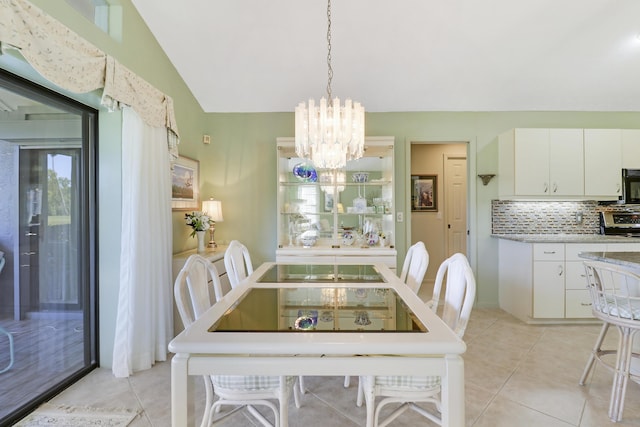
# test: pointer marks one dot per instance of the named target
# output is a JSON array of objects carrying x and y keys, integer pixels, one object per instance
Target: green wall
[{"x": 239, "y": 166}]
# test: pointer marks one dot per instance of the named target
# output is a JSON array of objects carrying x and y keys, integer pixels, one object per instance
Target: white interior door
[{"x": 455, "y": 171}]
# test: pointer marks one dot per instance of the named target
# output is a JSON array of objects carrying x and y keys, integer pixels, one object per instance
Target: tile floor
[{"x": 516, "y": 375}]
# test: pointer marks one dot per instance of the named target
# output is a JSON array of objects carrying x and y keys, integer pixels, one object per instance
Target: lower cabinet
[
  {"x": 542, "y": 282},
  {"x": 179, "y": 259}
]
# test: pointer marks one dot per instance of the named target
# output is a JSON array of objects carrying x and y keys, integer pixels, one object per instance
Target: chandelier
[{"x": 329, "y": 134}]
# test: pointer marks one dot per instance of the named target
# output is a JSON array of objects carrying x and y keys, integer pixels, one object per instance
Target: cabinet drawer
[
  {"x": 573, "y": 249},
  {"x": 576, "y": 277},
  {"x": 578, "y": 304},
  {"x": 548, "y": 252}
]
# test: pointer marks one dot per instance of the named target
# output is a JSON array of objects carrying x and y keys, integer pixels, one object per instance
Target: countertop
[
  {"x": 626, "y": 259},
  {"x": 566, "y": 238}
]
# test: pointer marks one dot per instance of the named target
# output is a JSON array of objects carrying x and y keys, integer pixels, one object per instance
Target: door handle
[{"x": 29, "y": 253}]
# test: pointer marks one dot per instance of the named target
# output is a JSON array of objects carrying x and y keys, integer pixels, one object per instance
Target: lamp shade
[{"x": 213, "y": 209}]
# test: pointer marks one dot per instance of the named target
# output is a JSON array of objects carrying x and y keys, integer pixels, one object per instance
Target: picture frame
[
  {"x": 185, "y": 184},
  {"x": 424, "y": 193}
]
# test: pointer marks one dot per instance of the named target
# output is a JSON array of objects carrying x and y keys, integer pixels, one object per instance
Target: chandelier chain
[{"x": 329, "y": 69}]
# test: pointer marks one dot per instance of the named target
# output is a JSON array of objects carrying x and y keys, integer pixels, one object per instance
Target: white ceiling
[{"x": 405, "y": 55}]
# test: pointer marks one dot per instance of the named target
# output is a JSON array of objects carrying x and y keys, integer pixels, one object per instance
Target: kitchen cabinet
[
  {"x": 548, "y": 280},
  {"x": 545, "y": 282},
  {"x": 541, "y": 162},
  {"x": 603, "y": 162},
  {"x": 337, "y": 216},
  {"x": 631, "y": 148}
]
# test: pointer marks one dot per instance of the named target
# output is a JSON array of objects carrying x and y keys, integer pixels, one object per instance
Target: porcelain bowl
[{"x": 360, "y": 177}]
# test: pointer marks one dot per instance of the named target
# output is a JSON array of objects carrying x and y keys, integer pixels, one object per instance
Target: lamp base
[{"x": 212, "y": 230}]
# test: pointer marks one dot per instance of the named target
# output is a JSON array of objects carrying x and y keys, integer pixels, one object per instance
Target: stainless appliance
[
  {"x": 631, "y": 186},
  {"x": 625, "y": 223}
]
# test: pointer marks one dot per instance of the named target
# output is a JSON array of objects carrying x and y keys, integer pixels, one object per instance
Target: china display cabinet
[{"x": 345, "y": 215}]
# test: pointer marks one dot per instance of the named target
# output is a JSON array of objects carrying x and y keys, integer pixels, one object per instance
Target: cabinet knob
[
  {"x": 549, "y": 252},
  {"x": 560, "y": 270},
  {"x": 555, "y": 187},
  {"x": 585, "y": 304},
  {"x": 546, "y": 187}
]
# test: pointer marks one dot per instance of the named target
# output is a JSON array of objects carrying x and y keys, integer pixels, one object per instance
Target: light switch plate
[{"x": 206, "y": 139}]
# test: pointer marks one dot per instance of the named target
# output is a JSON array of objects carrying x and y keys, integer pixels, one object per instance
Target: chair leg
[
  {"x": 594, "y": 352},
  {"x": 303, "y": 390},
  {"x": 621, "y": 377},
  {"x": 347, "y": 381}
]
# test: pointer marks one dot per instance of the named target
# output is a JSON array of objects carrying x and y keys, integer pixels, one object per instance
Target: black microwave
[{"x": 631, "y": 186}]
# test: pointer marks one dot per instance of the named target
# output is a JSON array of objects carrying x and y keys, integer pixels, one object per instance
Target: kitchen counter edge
[{"x": 566, "y": 238}]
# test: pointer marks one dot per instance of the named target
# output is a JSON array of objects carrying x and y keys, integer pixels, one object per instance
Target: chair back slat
[
  {"x": 415, "y": 266},
  {"x": 460, "y": 292},
  {"x": 193, "y": 288},
  {"x": 615, "y": 291},
  {"x": 237, "y": 262}
]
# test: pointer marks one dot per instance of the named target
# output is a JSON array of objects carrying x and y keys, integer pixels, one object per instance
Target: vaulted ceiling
[{"x": 405, "y": 55}]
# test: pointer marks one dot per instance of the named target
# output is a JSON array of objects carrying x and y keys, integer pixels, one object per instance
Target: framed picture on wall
[
  {"x": 185, "y": 184},
  {"x": 424, "y": 193}
]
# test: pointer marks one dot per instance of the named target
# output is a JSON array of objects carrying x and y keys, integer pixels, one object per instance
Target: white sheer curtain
[{"x": 144, "y": 322}]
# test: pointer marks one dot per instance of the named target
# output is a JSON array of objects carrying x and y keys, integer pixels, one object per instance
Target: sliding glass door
[{"x": 48, "y": 330}]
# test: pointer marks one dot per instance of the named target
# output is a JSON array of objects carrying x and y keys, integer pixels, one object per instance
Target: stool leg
[
  {"x": 621, "y": 376},
  {"x": 594, "y": 352}
]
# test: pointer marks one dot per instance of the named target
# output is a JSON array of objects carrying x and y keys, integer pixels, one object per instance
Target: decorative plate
[
  {"x": 305, "y": 172},
  {"x": 303, "y": 323},
  {"x": 348, "y": 238},
  {"x": 371, "y": 238}
]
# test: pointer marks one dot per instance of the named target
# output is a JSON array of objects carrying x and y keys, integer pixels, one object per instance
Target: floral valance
[{"x": 74, "y": 64}]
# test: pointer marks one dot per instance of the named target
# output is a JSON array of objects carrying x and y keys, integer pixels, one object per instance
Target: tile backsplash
[{"x": 544, "y": 217}]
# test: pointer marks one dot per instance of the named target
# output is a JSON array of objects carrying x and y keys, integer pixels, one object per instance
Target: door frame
[{"x": 472, "y": 219}]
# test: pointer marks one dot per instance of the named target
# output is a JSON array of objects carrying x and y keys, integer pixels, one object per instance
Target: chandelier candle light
[
  {"x": 329, "y": 134},
  {"x": 213, "y": 208}
]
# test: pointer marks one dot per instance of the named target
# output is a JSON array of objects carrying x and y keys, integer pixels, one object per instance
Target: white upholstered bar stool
[{"x": 615, "y": 297}]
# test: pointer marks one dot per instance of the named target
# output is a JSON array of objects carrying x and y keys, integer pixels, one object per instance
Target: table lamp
[{"x": 213, "y": 209}]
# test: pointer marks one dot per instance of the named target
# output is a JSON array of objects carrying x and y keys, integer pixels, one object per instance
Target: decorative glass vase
[{"x": 200, "y": 236}]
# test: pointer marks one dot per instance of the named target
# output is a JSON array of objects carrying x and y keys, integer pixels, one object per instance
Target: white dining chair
[
  {"x": 193, "y": 297},
  {"x": 415, "y": 266},
  {"x": 237, "y": 262},
  {"x": 615, "y": 298},
  {"x": 409, "y": 390},
  {"x": 412, "y": 274}
]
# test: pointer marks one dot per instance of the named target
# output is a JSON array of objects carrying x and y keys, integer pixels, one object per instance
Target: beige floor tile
[
  {"x": 516, "y": 375},
  {"x": 558, "y": 399},
  {"x": 505, "y": 413}
]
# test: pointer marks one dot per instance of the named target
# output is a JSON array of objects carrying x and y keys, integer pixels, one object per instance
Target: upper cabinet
[
  {"x": 323, "y": 212},
  {"x": 631, "y": 148},
  {"x": 568, "y": 163},
  {"x": 603, "y": 162},
  {"x": 541, "y": 162}
]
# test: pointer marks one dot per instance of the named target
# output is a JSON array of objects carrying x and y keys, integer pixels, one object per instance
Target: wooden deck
[{"x": 46, "y": 351}]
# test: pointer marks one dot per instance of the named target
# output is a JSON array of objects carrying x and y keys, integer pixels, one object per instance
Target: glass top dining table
[
  {"x": 360, "y": 301},
  {"x": 287, "y": 319}
]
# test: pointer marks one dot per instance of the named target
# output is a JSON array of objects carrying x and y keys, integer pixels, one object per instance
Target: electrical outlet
[
  {"x": 399, "y": 216},
  {"x": 206, "y": 139}
]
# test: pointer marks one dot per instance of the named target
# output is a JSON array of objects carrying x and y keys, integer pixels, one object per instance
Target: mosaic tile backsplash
[{"x": 544, "y": 217}]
